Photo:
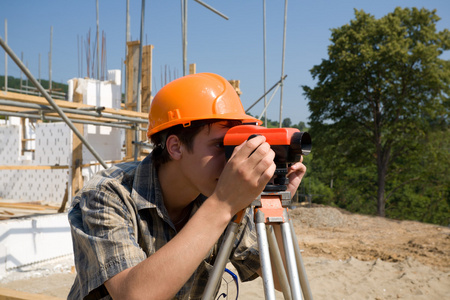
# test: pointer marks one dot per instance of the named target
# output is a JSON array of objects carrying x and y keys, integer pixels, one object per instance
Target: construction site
[
  {"x": 52, "y": 144},
  {"x": 44, "y": 163}
]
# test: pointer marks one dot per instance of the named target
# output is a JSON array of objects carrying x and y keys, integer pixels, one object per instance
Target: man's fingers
[
  {"x": 295, "y": 175},
  {"x": 245, "y": 149},
  {"x": 255, "y": 158}
]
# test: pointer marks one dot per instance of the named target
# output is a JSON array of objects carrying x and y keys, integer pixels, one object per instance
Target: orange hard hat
[{"x": 194, "y": 97}]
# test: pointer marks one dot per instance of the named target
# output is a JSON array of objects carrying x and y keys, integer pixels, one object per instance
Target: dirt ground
[
  {"x": 346, "y": 256},
  {"x": 335, "y": 234}
]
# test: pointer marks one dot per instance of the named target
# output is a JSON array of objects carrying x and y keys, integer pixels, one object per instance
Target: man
[{"x": 151, "y": 230}]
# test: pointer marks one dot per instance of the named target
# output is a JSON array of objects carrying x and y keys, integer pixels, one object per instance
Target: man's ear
[{"x": 174, "y": 147}]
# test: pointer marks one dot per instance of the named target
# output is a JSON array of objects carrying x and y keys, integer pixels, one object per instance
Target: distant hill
[{"x": 15, "y": 84}]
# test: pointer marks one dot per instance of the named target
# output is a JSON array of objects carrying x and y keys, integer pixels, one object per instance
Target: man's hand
[
  {"x": 295, "y": 175},
  {"x": 246, "y": 174}
]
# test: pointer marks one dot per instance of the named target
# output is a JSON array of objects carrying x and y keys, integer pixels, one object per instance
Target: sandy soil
[{"x": 346, "y": 256}]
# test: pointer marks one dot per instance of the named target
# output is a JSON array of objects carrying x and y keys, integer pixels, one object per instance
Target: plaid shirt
[{"x": 119, "y": 219}]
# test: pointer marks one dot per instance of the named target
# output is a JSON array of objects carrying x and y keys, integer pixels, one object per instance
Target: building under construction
[{"x": 51, "y": 147}]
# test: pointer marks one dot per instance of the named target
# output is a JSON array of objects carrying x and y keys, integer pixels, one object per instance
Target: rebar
[
  {"x": 52, "y": 103},
  {"x": 282, "y": 62}
]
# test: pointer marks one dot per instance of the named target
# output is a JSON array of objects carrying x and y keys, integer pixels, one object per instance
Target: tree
[
  {"x": 301, "y": 125},
  {"x": 286, "y": 122},
  {"x": 382, "y": 89}
]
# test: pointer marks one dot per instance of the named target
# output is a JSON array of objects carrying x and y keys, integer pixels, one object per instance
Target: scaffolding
[{"x": 45, "y": 109}]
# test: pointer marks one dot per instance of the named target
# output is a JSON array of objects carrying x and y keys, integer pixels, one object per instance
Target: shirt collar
[{"x": 146, "y": 190}]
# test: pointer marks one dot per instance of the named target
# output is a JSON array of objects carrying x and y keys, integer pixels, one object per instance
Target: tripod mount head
[{"x": 289, "y": 144}]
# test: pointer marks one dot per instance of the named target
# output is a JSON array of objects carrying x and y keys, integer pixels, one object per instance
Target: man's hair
[{"x": 186, "y": 136}]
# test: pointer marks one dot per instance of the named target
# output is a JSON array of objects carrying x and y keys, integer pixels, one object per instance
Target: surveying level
[
  {"x": 270, "y": 208},
  {"x": 289, "y": 144}
]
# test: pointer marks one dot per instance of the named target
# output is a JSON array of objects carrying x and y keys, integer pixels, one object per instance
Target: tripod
[{"x": 269, "y": 209}]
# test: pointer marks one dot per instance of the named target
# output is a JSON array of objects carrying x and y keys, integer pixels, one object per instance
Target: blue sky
[{"x": 232, "y": 48}]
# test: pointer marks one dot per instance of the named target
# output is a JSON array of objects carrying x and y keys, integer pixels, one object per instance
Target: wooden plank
[
  {"x": 9, "y": 108},
  {"x": 26, "y": 167},
  {"x": 131, "y": 78},
  {"x": 66, "y": 104},
  {"x": 19, "y": 205},
  {"x": 108, "y": 162},
  {"x": 146, "y": 80},
  {"x": 192, "y": 68},
  {"x": 146, "y": 95},
  {"x": 54, "y": 114},
  {"x": 8, "y": 294}
]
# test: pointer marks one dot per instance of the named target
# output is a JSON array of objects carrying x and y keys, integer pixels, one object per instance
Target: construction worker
[{"x": 152, "y": 229}]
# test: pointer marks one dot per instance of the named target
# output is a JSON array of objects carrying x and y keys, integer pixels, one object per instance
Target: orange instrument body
[{"x": 288, "y": 143}]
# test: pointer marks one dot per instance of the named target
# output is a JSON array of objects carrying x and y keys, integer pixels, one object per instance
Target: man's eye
[{"x": 219, "y": 145}]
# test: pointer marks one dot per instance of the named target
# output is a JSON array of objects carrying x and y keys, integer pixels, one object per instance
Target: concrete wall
[{"x": 31, "y": 240}]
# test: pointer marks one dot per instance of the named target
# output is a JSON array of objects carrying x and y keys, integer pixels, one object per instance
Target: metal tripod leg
[
  {"x": 291, "y": 262},
  {"x": 264, "y": 256},
  {"x": 300, "y": 266},
  {"x": 275, "y": 256},
  {"x": 221, "y": 261},
  {"x": 269, "y": 210},
  {"x": 292, "y": 284}
]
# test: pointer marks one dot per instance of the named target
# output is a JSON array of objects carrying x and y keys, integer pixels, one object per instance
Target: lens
[{"x": 301, "y": 143}]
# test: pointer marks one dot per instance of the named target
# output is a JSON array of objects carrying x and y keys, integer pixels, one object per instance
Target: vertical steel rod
[
  {"x": 50, "y": 61},
  {"x": 39, "y": 71},
  {"x": 98, "y": 45},
  {"x": 139, "y": 84},
  {"x": 141, "y": 44},
  {"x": 264, "y": 52},
  {"x": 21, "y": 80},
  {"x": 127, "y": 39},
  {"x": 282, "y": 61},
  {"x": 184, "y": 34},
  {"x": 52, "y": 103},
  {"x": 6, "y": 56}
]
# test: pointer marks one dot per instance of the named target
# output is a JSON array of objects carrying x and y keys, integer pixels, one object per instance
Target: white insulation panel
[
  {"x": 9, "y": 144},
  {"x": 47, "y": 186},
  {"x": 53, "y": 144}
]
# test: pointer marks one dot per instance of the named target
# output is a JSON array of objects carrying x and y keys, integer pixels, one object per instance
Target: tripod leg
[
  {"x": 278, "y": 262},
  {"x": 221, "y": 261},
  {"x": 264, "y": 255},
  {"x": 300, "y": 266},
  {"x": 290, "y": 259}
]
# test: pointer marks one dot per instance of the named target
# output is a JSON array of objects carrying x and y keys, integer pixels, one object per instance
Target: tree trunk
[
  {"x": 381, "y": 202},
  {"x": 382, "y": 157},
  {"x": 382, "y": 167}
]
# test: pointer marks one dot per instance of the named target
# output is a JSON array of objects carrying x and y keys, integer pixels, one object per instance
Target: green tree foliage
[
  {"x": 286, "y": 123},
  {"x": 380, "y": 97},
  {"x": 16, "y": 83}
]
